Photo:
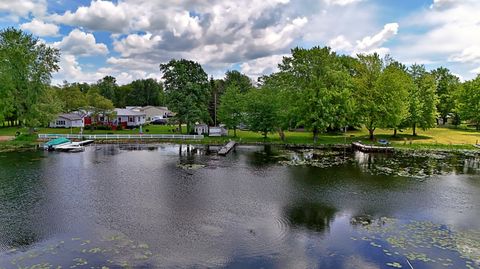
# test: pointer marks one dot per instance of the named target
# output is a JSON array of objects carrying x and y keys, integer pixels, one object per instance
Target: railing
[{"x": 121, "y": 136}]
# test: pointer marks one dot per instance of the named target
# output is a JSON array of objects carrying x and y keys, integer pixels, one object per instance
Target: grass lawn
[{"x": 448, "y": 138}]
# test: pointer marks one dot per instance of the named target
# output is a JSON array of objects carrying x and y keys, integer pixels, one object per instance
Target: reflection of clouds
[{"x": 355, "y": 262}]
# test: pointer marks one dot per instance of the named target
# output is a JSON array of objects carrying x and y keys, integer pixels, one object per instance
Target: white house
[
  {"x": 67, "y": 121},
  {"x": 218, "y": 131},
  {"x": 153, "y": 111},
  {"x": 129, "y": 118}
]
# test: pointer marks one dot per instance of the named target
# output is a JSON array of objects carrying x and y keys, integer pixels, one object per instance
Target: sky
[{"x": 128, "y": 39}]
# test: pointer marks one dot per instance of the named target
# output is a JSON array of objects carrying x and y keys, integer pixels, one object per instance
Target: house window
[
  {"x": 130, "y": 119},
  {"x": 60, "y": 122}
]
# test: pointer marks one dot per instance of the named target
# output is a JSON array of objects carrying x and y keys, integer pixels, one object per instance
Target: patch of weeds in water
[
  {"x": 315, "y": 158},
  {"x": 394, "y": 264},
  {"x": 190, "y": 166},
  {"x": 422, "y": 241}
]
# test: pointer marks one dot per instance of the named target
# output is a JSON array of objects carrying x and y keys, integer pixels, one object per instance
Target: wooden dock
[
  {"x": 227, "y": 148},
  {"x": 370, "y": 148}
]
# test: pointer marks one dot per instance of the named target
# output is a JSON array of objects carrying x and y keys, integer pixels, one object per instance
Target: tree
[
  {"x": 187, "y": 91},
  {"x": 26, "y": 69},
  {"x": 231, "y": 108},
  {"x": 72, "y": 97},
  {"x": 323, "y": 87},
  {"x": 146, "y": 92},
  {"x": 217, "y": 88},
  {"x": 446, "y": 86},
  {"x": 98, "y": 104},
  {"x": 422, "y": 100},
  {"x": 469, "y": 101},
  {"x": 108, "y": 87},
  {"x": 242, "y": 81},
  {"x": 381, "y": 90},
  {"x": 260, "y": 111}
]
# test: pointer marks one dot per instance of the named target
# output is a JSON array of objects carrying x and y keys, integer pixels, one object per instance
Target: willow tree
[{"x": 26, "y": 69}]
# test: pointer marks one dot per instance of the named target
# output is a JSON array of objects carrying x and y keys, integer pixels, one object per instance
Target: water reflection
[{"x": 176, "y": 206}]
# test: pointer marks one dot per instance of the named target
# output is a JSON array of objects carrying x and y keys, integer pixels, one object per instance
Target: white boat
[{"x": 70, "y": 147}]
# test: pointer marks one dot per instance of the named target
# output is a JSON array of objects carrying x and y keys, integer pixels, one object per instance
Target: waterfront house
[
  {"x": 69, "y": 120},
  {"x": 128, "y": 118},
  {"x": 153, "y": 111}
]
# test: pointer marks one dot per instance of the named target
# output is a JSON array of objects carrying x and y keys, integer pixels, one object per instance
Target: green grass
[
  {"x": 22, "y": 142},
  {"x": 435, "y": 138}
]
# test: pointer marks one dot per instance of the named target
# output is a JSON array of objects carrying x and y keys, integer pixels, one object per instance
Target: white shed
[{"x": 67, "y": 120}]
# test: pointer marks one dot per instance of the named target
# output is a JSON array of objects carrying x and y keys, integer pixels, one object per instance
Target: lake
[{"x": 172, "y": 206}]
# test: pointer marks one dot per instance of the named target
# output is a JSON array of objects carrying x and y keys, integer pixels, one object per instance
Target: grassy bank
[
  {"x": 20, "y": 143},
  {"x": 435, "y": 138}
]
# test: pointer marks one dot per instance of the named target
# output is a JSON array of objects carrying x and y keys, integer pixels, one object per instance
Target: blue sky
[{"x": 130, "y": 38}]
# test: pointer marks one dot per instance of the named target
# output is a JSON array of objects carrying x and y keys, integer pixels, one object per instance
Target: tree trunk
[
  {"x": 371, "y": 131},
  {"x": 444, "y": 120},
  {"x": 234, "y": 131},
  {"x": 395, "y": 132},
  {"x": 180, "y": 127},
  {"x": 414, "y": 128},
  {"x": 315, "y": 135},
  {"x": 282, "y": 134}
]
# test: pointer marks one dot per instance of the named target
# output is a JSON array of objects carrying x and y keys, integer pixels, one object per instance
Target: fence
[{"x": 121, "y": 136}]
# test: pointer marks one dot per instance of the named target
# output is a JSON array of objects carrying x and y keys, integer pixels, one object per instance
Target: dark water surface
[{"x": 162, "y": 207}]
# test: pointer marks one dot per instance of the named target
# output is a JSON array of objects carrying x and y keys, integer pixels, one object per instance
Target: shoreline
[{"x": 23, "y": 146}]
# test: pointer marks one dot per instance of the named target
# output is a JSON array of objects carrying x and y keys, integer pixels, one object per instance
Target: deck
[
  {"x": 227, "y": 148},
  {"x": 370, "y": 148}
]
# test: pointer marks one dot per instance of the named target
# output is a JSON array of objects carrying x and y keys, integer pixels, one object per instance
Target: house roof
[
  {"x": 70, "y": 116},
  {"x": 128, "y": 112},
  {"x": 156, "y": 107}
]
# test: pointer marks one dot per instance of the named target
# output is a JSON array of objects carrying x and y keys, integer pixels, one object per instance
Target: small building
[
  {"x": 70, "y": 120},
  {"x": 218, "y": 131},
  {"x": 128, "y": 118},
  {"x": 201, "y": 129}
]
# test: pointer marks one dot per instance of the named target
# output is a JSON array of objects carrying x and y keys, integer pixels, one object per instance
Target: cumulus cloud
[
  {"x": 341, "y": 2},
  {"x": 81, "y": 44},
  {"x": 340, "y": 43},
  {"x": 468, "y": 55},
  {"x": 258, "y": 67},
  {"x": 23, "y": 8},
  {"x": 372, "y": 43},
  {"x": 40, "y": 28},
  {"x": 71, "y": 70}
]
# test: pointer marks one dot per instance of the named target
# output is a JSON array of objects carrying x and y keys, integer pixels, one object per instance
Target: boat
[
  {"x": 70, "y": 147},
  {"x": 50, "y": 145}
]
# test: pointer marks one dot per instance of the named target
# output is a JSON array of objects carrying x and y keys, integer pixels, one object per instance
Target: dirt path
[{"x": 6, "y": 138}]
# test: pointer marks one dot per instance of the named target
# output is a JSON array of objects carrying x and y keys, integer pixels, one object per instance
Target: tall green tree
[
  {"x": 217, "y": 89},
  {"x": 380, "y": 92},
  {"x": 231, "y": 110},
  {"x": 446, "y": 86},
  {"x": 469, "y": 101},
  {"x": 146, "y": 92},
  {"x": 72, "y": 97},
  {"x": 187, "y": 91},
  {"x": 260, "y": 111},
  {"x": 324, "y": 87},
  {"x": 108, "y": 87},
  {"x": 422, "y": 111},
  {"x": 98, "y": 104},
  {"x": 26, "y": 68},
  {"x": 242, "y": 81}
]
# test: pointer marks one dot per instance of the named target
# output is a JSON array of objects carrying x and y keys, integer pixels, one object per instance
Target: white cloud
[
  {"x": 258, "y": 67},
  {"x": 70, "y": 70},
  {"x": 135, "y": 44},
  {"x": 470, "y": 54},
  {"x": 79, "y": 43},
  {"x": 370, "y": 44},
  {"x": 23, "y": 8},
  {"x": 475, "y": 71},
  {"x": 341, "y": 2},
  {"x": 340, "y": 43},
  {"x": 40, "y": 28}
]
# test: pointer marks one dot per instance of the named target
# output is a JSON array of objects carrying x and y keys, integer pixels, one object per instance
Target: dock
[
  {"x": 370, "y": 148},
  {"x": 227, "y": 148}
]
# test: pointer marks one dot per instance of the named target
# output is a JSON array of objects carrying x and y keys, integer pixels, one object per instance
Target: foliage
[
  {"x": 231, "y": 110},
  {"x": 260, "y": 111},
  {"x": 422, "y": 100},
  {"x": 235, "y": 78},
  {"x": 25, "y": 72},
  {"x": 446, "y": 86},
  {"x": 469, "y": 101},
  {"x": 323, "y": 87},
  {"x": 186, "y": 90},
  {"x": 146, "y": 92},
  {"x": 72, "y": 97},
  {"x": 107, "y": 87},
  {"x": 98, "y": 104}
]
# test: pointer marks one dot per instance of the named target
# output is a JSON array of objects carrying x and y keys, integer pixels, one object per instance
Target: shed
[{"x": 201, "y": 129}]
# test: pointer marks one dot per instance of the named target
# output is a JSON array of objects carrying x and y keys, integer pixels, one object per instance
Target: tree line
[{"x": 315, "y": 89}]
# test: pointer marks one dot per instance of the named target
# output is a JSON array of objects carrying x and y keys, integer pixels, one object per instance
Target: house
[
  {"x": 67, "y": 121},
  {"x": 153, "y": 111},
  {"x": 218, "y": 131},
  {"x": 127, "y": 118}
]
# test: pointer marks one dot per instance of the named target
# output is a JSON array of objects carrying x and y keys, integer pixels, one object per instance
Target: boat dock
[
  {"x": 227, "y": 148},
  {"x": 370, "y": 148}
]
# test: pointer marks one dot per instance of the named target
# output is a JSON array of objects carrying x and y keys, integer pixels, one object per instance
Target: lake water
[{"x": 168, "y": 207}]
